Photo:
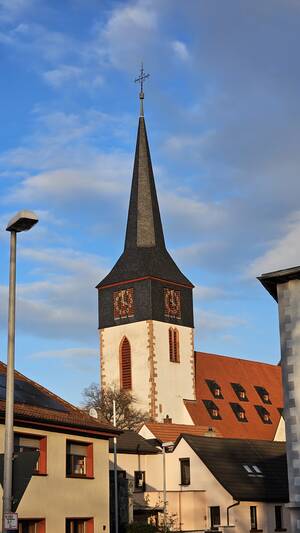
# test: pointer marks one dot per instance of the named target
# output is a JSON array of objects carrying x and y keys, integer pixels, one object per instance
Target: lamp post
[
  {"x": 165, "y": 445},
  {"x": 22, "y": 221}
]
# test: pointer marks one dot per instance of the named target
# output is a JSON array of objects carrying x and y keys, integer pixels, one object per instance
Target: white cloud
[
  {"x": 283, "y": 252},
  {"x": 67, "y": 353},
  {"x": 181, "y": 50},
  {"x": 63, "y": 306},
  {"x": 203, "y": 293},
  {"x": 66, "y": 74},
  {"x": 210, "y": 322}
]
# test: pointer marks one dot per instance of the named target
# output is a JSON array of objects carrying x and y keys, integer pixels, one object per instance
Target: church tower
[{"x": 146, "y": 307}]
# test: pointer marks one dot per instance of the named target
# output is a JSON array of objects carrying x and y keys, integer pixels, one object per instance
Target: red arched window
[
  {"x": 174, "y": 345},
  {"x": 125, "y": 365}
]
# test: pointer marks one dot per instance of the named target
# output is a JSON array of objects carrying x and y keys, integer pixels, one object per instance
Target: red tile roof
[
  {"x": 170, "y": 432},
  {"x": 224, "y": 371},
  {"x": 70, "y": 417}
]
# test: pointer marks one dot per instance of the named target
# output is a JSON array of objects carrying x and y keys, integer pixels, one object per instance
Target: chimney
[{"x": 167, "y": 420}]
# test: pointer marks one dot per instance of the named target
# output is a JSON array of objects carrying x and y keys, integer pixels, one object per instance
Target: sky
[{"x": 222, "y": 109}]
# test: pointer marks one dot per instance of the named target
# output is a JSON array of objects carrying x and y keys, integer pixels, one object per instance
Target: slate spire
[
  {"x": 145, "y": 253},
  {"x": 144, "y": 227}
]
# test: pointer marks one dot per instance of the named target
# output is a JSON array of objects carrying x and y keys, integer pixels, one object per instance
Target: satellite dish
[{"x": 93, "y": 413}]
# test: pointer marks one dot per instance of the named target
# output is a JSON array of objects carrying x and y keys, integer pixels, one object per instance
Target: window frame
[
  {"x": 253, "y": 518},
  {"x": 279, "y": 522},
  {"x": 214, "y": 509},
  {"x": 142, "y": 475},
  {"x": 174, "y": 348},
  {"x": 185, "y": 478},
  {"x": 42, "y": 460},
  {"x": 239, "y": 412},
  {"x": 89, "y": 463},
  {"x": 88, "y": 522},
  {"x": 39, "y": 522},
  {"x": 125, "y": 384},
  {"x": 211, "y": 408},
  {"x": 263, "y": 414},
  {"x": 214, "y": 387}
]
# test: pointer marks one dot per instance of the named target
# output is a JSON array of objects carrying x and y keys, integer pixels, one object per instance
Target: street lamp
[
  {"x": 22, "y": 221},
  {"x": 165, "y": 445}
]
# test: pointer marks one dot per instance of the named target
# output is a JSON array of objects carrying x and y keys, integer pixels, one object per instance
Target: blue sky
[{"x": 222, "y": 109}]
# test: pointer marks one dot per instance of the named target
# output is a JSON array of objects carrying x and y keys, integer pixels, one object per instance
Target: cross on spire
[{"x": 142, "y": 77}]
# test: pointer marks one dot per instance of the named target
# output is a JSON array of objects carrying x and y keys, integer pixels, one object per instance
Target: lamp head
[{"x": 22, "y": 221}]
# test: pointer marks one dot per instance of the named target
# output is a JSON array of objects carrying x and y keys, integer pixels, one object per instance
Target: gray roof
[
  {"x": 145, "y": 253},
  {"x": 131, "y": 442},
  {"x": 225, "y": 458},
  {"x": 272, "y": 279}
]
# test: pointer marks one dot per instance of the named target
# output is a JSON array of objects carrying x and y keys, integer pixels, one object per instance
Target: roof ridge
[{"x": 244, "y": 360}]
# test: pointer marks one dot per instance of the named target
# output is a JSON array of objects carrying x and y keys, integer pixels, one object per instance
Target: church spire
[{"x": 145, "y": 253}]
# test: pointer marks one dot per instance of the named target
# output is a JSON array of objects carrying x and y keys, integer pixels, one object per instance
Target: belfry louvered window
[
  {"x": 174, "y": 345},
  {"x": 125, "y": 365}
]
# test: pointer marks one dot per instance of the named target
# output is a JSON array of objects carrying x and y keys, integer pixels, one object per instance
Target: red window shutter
[
  {"x": 176, "y": 346},
  {"x": 90, "y": 461},
  {"x": 90, "y": 526},
  {"x": 125, "y": 365},
  {"x": 43, "y": 456},
  {"x": 171, "y": 345},
  {"x": 41, "y": 526}
]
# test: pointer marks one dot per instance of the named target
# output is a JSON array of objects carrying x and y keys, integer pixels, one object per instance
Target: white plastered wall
[{"x": 153, "y": 375}]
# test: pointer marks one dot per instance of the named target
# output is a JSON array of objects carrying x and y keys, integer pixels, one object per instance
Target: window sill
[
  {"x": 40, "y": 474},
  {"x": 281, "y": 529},
  {"x": 78, "y": 476},
  {"x": 256, "y": 530},
  {"x": 184, "y": 484}
]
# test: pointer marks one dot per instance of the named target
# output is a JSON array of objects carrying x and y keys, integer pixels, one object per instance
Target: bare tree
[{"x": 127, "y": 416}]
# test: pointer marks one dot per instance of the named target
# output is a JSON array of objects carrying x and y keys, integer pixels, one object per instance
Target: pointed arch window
[
  {"x": 174, "y": 345},
  {"x": 125, "y": 365}
]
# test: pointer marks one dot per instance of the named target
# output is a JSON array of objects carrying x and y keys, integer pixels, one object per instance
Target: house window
[
  {"x": 139, "y": 481},
  {"x": 185, "y": 472},
  {"x": 214, "y": 388},
  {"x": 174, "y": 345},
  {"x": 240, "y": 392},
  {"x": 31, "y": 526},
  {"x": 239, "y": 412},
  {"x": 263, "y": 394},
  {"x": 278, "y": 518},
  {"x": 79, "y": 460},
  {"x": 264, "y": 414},
  {"x": 125, "y": 365},
  {"x": 79, "y": 525},
  {"x": 29, "y": 443},
  {"x": 253, "y": 518},
  {"x": 215, "y": 517},
  {"x": 212, "y": 409}
]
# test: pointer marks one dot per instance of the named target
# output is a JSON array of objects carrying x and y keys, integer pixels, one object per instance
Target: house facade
[{"x": 69, "y": 489}]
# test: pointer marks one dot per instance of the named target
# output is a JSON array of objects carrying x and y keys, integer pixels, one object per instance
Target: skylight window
[
  {"x": 212, "y": 409},
  {"x": 240, "y": 392},
  {"x": 253, "y": 470},
  {"x": 239, "y": 412},
  {"x": 214, "y": 388},
  {"x": 264, "y": 414},
  {"x": 263, "y": 394}
]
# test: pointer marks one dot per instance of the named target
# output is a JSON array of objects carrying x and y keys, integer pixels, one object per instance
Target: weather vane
[{"x": 142, "y": 77}]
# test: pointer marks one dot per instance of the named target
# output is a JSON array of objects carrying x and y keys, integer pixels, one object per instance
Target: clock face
[
  {"x": 123, "y": 304},
  {"x": 172, "y": 303}
]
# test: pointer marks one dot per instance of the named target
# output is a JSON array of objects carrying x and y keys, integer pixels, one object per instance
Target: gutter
[{"x": 230, "y": 507}]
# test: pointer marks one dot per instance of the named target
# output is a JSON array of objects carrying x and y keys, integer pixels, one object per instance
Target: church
[{"x": 146, "y": 329}]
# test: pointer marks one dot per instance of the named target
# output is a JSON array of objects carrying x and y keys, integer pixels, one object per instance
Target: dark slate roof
[
  {"x": 225, "y": 459},
  {"x": 37, "y": 406},
  {"x": 145, "y": 253},
  {"x": 272, "y": 279},
  {"x": 131, "y": 442}
]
